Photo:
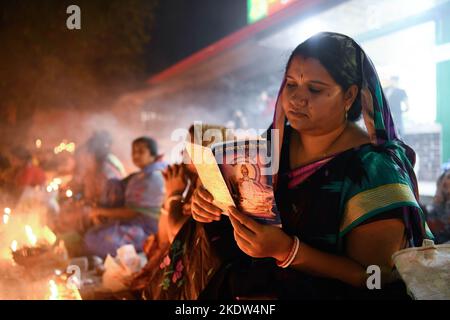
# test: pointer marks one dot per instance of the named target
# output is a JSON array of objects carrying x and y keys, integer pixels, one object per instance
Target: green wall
[{"x": 443, "y": 86}]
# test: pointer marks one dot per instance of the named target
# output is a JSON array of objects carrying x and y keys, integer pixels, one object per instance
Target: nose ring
[{"x": 302, "y": 102}]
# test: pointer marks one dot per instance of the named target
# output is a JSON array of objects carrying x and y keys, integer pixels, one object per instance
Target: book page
[{"x": 210, "y": 175}]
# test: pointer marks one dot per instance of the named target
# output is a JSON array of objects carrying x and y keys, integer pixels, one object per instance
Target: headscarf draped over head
[
  {"x": 371, "y": 99},
  {"x": 375, "y": 109}
]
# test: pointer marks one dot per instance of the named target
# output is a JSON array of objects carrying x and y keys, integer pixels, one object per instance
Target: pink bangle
[{"x": 292, "y": 254}]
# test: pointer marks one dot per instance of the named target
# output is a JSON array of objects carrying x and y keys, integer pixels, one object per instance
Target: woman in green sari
[{"x": 348, "y": 197}]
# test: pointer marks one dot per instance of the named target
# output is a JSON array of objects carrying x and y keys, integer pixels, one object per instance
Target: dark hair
[
  {"x": 4, "y": 162},
  {"x": 340, "y": 56},
  {"x": 21, "y": 153},
  {"x": 99, "y": 144},
  {"x": 150, "y": 143}
]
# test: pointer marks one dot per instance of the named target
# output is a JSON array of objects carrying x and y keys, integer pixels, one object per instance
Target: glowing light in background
[
  {"x": 54, "y": 185},
  {"x": 260, "y": 9},
  {"x": 307, "y": 28},
  {"x": 7, "y": 213},
  {"x": 312, "y": 26},
  {"x": 38, "y": 143},
  {"x": 64, "y": 146},
  {"x": 30, "y": 235},
  {"x": 69, "y": 193},
  {"x": 397, "y": 54},
  {"x": 70, "y": 147},
  {"x": 48, "y": 235}
]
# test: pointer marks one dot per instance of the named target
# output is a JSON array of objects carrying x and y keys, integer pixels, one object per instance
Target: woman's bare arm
[
  {"x": 375, "y": 243},
  {"x": 370, "y": 244},
  {"x": 122, "y": 213}
]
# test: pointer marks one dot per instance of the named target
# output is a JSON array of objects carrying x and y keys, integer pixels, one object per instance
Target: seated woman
[
  {"x": 95, "y": 165},
  {"x": 137, "y": 218},
  {"x": 180, "y": 180},
  {"x": 23, "y": 172},
  {"x": 439, "y": 216},
  {"x": 348, "y": 197},
  {"x": 95, "y": 177}
]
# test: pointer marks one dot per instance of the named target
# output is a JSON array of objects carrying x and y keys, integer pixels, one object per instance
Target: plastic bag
[
  {"x": 425, "y": 270},
  {"x": 119, "y": 270}
]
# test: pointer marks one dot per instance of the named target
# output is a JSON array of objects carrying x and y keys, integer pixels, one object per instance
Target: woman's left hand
[
  {"x": 258, "y": 240},
  {"x": 175, "y": 179}
]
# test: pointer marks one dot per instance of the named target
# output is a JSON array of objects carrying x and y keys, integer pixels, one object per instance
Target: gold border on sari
[{"x": 375, "y": 199}]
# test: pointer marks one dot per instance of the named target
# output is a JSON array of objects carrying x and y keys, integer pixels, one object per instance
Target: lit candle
[{"x": 14, "y": 246}]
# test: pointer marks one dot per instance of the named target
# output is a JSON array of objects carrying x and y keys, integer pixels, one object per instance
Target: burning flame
[
  {"x": 35, "y": 236},
  {"x": 75, "y": 294},
  {"x": 54, "y": 295},
  {"x": 14, "y": 246},
  {"x": 30, "y": 235},
  {"x": 63, "y": 291},
  {"x": 48, "y": 235}
]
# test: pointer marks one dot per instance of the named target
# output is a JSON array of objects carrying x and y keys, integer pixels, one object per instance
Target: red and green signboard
[{"x": 259, "y": 9}]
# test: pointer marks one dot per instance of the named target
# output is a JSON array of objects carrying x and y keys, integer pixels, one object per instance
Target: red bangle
[{"x": 292, "y": 254}]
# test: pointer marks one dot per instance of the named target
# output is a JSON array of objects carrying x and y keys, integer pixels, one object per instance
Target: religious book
[{"x": 239, "y": 174}]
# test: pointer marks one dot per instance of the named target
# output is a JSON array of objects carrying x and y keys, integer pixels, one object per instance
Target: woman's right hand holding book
[{"x": 203, "y": 209}]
